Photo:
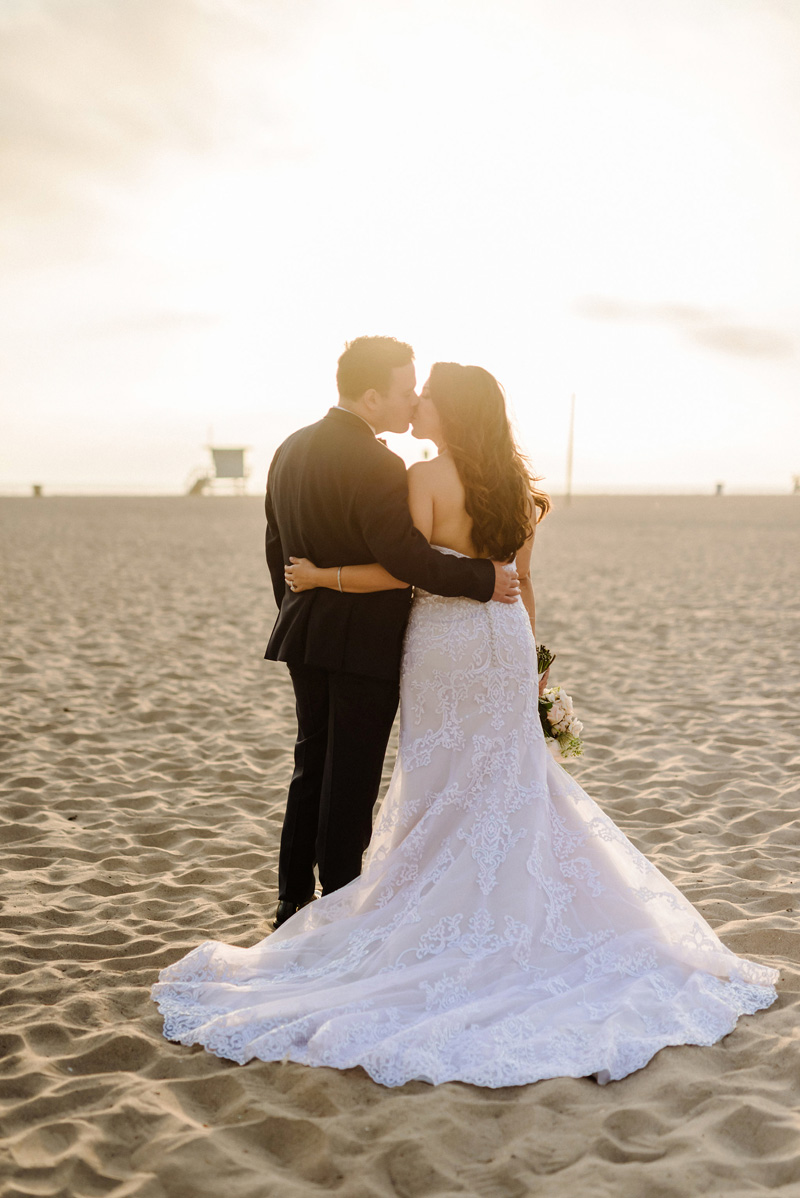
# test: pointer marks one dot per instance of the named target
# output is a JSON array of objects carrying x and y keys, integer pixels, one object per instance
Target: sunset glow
[{"x": 206, "y": 200}]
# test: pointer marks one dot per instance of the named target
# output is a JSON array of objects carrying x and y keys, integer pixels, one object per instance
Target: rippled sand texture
[{"x": 145, "y": 751}]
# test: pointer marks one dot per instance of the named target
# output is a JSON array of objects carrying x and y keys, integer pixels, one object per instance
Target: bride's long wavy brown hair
[{"x": 497, "y": 478}]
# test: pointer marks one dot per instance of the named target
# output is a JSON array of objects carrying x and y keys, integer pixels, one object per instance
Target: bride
[{"x": 503, "y": 929}]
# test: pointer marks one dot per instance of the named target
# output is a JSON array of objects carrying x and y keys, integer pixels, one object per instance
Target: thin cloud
[
  {"x": 600, "y": 307},
  {"x": 705, "y": 326},
  {"x": 152, "y": 322},
  {"x": 746, "y": 342},
  {"x": 93, "y": 93}
]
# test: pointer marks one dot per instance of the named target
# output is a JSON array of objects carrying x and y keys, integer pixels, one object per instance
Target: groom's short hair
[{"x": 368, "y": 362}]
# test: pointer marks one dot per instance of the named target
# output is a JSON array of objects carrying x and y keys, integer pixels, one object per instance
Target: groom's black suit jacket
[{"x": 337, "y": 495}]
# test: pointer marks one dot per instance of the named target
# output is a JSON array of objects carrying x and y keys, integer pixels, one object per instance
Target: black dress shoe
[{"x": 286, "y": 910}]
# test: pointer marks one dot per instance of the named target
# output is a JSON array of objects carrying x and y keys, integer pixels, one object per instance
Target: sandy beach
[{"x": 145, "y": 748}]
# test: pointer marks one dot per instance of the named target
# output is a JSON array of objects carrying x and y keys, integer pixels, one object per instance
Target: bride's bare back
[{"x": 437, "y": 502}]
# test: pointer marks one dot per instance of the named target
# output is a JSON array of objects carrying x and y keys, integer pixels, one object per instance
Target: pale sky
[{"x": 204, "y": 199}]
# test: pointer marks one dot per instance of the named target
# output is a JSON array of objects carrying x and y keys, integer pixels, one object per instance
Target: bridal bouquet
[{"x": 560, "y": 725}]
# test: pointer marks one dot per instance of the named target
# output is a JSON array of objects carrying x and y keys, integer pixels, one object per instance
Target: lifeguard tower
[{"x": 227, "y": 475}]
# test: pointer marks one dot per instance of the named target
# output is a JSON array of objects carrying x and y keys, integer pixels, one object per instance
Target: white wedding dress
[{"x": 503, "y": 929}]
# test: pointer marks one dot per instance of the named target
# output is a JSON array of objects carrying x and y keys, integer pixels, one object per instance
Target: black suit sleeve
[
  {"x": 401, "y": 548},
  {"x": 274, "y": 548}
]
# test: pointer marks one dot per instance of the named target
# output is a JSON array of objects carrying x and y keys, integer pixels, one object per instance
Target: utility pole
[{"x": 570, "y": 446}]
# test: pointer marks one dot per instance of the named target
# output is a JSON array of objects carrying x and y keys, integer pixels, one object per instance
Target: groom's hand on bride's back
[{"x": 506, "y": 584}]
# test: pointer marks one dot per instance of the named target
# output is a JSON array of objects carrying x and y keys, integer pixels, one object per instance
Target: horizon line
[{"x": 103, "y": 491}]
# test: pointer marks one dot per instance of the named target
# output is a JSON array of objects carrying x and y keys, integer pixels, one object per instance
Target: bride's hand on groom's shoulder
[
  {"x": 300, "y": 574},
  {"x": 506, "y": 584}
]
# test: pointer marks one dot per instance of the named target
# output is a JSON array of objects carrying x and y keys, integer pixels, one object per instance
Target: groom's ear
[{"x": 371, "y": 399}]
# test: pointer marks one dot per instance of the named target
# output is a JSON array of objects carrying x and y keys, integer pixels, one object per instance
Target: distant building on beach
[{"x": 229, "y": 467}]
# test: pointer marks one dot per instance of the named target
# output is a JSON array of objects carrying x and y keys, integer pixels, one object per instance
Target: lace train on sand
[{"x": 503, "y": 930}]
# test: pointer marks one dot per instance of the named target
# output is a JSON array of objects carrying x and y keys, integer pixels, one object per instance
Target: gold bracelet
[{"x": 339, "y": 579}]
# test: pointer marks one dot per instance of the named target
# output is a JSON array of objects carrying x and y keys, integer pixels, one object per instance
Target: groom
[{"x": 337, "y": 495}]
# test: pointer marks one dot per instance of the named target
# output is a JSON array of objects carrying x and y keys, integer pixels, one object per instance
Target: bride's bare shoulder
[{"x": 433, "y": 472}]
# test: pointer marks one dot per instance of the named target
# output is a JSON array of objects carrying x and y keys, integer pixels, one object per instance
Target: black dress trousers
[{"x": 343, "y": 726}]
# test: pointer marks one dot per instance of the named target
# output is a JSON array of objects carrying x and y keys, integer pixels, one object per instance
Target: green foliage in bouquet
[
  {"x": 544, "y": 658},
  {"x": 561, "y": 726}
]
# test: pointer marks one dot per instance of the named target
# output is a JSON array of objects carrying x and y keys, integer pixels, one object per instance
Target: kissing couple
[{"x": 501, "y": 929}]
